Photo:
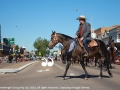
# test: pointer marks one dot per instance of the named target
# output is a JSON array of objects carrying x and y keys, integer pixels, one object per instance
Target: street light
[{"x": 86, "y": 13}]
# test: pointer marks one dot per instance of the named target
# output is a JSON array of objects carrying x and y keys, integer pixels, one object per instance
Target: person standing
[
  {"x": 10, "y": 56},
  {"x": 111, "y": 43}
]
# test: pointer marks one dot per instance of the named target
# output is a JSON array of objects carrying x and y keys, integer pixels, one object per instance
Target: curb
[{"x": 15, "y": 70}]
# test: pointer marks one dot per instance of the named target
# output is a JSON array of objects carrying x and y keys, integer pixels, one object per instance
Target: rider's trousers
[{"x": 85, "y": 42}]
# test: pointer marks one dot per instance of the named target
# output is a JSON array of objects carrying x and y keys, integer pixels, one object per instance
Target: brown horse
[
  {"x": 112, "y": 52},
  {"x": 77, "y": 52},
  {"x": 64, "y": 57}
]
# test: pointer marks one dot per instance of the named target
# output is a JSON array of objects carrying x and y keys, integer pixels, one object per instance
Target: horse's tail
[{"x": 104, "y": 50}]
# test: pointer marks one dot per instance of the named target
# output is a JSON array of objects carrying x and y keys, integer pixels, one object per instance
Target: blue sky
[{"x": 37, "y": 18}]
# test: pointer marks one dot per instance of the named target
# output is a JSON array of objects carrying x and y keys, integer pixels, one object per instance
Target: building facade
[{"x": 104, "y": 34}]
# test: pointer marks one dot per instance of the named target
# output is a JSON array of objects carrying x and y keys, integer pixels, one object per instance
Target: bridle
[{"x": 55, "y": 38}]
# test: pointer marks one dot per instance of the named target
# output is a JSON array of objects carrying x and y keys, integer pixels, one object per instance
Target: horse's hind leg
[
  {"x": 108, "y": 63},
  {"x": 109, "y": 72},
  {"x": 67, "y": 67}
]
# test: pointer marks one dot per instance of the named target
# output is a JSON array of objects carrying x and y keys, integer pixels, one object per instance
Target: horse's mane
[{"x": 66, "y": 36}]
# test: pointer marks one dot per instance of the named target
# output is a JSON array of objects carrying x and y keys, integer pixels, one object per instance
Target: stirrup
[{"x": 86, "y": 54}]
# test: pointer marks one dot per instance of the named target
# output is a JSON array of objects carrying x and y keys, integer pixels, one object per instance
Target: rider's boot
[
  {"x": 86, "y": 49},
  {"x": 86, "y": 52}
]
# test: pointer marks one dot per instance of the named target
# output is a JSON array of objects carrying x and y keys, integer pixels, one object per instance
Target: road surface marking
[
  {"x": 72, "y": 74},
  {"x": 64, "y": 70},
  {"x": 42, "y": 70},
  {"x": 59, "y": 66}
]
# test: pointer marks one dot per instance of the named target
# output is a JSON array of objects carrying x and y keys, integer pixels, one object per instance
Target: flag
[{"x": 60, "y": 46}]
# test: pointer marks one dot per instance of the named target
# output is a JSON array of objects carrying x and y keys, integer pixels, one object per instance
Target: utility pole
[{"x": 0, "y": 33}]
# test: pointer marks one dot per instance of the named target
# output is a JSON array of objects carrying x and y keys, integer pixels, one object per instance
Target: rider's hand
[
  {"x": 81, "y": 39},
  {"x": 76, "y": 36}
]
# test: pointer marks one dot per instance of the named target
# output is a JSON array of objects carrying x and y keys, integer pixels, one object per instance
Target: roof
[{"x": 101, "y": 30}]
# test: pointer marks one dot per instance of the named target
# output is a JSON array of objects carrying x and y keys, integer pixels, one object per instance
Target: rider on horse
[
  {"x": 109, "y": 44},
  {"x": 84, "y": 33}
]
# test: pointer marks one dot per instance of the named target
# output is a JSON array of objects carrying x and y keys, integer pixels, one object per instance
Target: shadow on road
[{"x": 82, "y": 76}]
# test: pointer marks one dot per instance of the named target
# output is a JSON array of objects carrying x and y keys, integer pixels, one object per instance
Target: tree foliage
[
  {"x": 41, "y": 45},
  {"x": 17, "y": 47}
]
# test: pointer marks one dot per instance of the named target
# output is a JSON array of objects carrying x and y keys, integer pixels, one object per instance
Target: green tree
[
  {"x": 41, "y": 45},
  {"x": 48, "y": 52},
  {"x": 16, "y": 47}
]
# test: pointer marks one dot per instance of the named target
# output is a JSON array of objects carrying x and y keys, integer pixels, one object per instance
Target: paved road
[
  {"x": 37, "y": 77},
  {"x": 4, "y": 64}
]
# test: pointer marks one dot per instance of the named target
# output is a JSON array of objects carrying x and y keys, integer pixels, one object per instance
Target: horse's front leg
[
  {"x": 86, "y": 60},
  {"x": 108, "y": 63},
  {"x": 67, "y": 67},
  {"x": 100, "y": 63},
  {"x": 83, "y": 66}
]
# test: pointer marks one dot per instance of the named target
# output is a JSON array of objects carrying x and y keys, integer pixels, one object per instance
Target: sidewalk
[
  {"x": 16, "y": 67},
  {"x": 117, "y": 67}
]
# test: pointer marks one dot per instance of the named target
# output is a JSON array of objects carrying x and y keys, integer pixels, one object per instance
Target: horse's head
[
  {"x": 59, "y": 38},
  {"x": 54, "y": 40}
]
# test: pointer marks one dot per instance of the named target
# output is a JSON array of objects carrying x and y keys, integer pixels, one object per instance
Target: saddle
[{"x": 91, "y": 44}]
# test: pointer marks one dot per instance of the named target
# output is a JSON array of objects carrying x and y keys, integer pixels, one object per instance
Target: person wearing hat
[
  {"x": 109, "y": 43},
  {"x": 84, "y": 33}
]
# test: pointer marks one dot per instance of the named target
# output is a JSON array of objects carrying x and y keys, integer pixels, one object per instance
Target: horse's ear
[{"x": 52, "y": 31}]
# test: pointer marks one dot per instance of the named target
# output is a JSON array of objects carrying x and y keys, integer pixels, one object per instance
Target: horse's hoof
[
  {"x": 105, "y": 69},
  {"x": 100, "y": 77},
  {"x": 111, "y": 75},
  {"x": 86, "y": 78},
  {"x": 63, "y": 78}
]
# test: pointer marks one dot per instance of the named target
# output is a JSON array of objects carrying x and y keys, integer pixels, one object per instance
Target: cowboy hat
[{"x": 81, "y": 17}]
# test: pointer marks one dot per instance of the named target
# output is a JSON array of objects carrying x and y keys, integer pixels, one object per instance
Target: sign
[
  {"x": 39, "y": 53},
  {"x": 9, "y": 41}
]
